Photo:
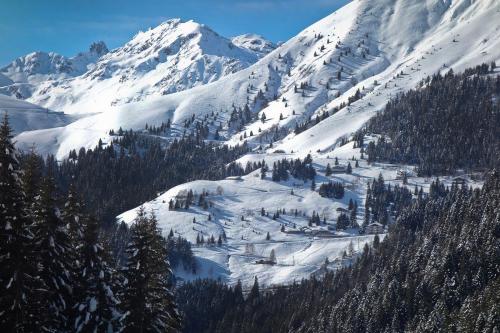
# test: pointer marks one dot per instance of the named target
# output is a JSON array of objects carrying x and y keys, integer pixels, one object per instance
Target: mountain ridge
[{"x": 174, "y": 56}]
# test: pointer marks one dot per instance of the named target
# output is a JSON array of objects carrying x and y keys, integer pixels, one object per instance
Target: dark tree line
[
  {"x": 57, "y": 273},
  {"x": 135, "y": 167},
  {"x": 450, "y": 122},
  {"x": 438, "y": 270}
]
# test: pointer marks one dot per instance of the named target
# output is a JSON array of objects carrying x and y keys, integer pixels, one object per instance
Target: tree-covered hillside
[
  {"x": 438, "y": 270},
  {"x": 450, "y": 122}
]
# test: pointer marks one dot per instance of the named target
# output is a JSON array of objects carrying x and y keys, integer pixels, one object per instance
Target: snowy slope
[
  {"x": 365, "y": 40},
  {"x": 5, "y": 81},
  {"x": 24, "y": 116},
  {"x": 299, "y": 254}
]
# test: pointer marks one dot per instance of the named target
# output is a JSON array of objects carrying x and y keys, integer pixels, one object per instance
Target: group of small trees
[
  {"x": 383, "y": 200},
  {"x": 200, "y": 240},
  {"x": 315, "y": 219},
  {"x": 297, "y": 168},
  {"x": 332, "y": 190}
]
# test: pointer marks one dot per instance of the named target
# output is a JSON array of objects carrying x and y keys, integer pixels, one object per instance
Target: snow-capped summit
[
  {"x": 28, "y": 73},
  {"x": 34, "y": 66},
  {"x": 42, "y": 66},
  {"x": 172, "y": 57},
  {"x": 255, "y": 43}
]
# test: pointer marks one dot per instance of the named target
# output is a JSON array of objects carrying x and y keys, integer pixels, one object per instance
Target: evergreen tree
[
  {"x": 147, "y": 302},
  {"x": 255, "y": 291},
  {"x": 328, "y": 170},
  {"x": 52, "y": 244},
  {"x": 349, "y": 168},
  {"x": 31, "y": 178},
  {"x": 17, "y": 267},
  {"x": 97, "y": 306},
  {"x": 342, "y": 222},
  {"x": 72, "y": 217}
]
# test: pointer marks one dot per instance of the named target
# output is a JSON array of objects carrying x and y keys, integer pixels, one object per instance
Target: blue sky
[{"x": 69, "y": 26}]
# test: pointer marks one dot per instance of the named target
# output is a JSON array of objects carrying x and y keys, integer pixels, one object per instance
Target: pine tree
[
  {"x": 73, "y": 218},
  {"x": 18, "y": 269},
  {"x": 54, "y": 258},
  {"x": 96, "y": 286},
  {"x": 328, "y": 170},
  {"x": 349, "y": 168},
  {"x": 147, "y": 303},
  {"x": 254, "y": 292},
  {"x": 31, "y": 178},
  {"x": 263, "y": 170}
]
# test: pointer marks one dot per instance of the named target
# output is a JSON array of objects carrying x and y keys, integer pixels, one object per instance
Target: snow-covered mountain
[
  {"x": 25, "y": 74},
  {"x": 380, "y": 48},
  {"x": 41, "y": 66},
  {"x": 172, "y": 57},
  {"x": 364, "y": 45}
]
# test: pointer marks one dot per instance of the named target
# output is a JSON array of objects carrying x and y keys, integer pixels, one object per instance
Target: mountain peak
[
  {"x": 98, "y": 48},
  {"x": 255, "y": 43}
]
